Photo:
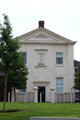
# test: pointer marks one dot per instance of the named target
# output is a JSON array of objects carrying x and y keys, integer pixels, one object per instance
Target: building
[
  {"x": 49, "y": 58},
  {"x": 76, "y": 63},
  {"x": 76, "y": 69}
]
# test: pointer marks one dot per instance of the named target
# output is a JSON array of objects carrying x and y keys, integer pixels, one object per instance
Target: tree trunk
[
  {"x": 14, "y": 94},
  {"x": 5, "y": 92},
  {"x": 10, "y": 94}
]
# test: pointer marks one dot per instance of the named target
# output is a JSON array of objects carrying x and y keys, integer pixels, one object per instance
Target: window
[
  {"x": 24, "y": 57},
  {"x": 22, "y": 90},
  {"x": 59, "y": 58},
  {"x": 59, "y": 84},
  {"x": 76, "y": 70},
  {"x": 41, "y": 59}
]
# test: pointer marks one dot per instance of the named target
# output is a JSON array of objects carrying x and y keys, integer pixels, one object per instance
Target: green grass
[{"x": 40, "y": 109}]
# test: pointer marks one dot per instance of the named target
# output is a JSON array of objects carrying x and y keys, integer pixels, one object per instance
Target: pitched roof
[{"x": 43, "y": 35}]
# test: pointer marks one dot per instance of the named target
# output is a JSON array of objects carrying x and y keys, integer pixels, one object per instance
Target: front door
[{"x": 41, "y": 94}]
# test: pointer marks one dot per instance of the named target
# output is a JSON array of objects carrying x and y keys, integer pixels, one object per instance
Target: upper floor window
[
  {"x": 59, "y": 84},
  {"x": 41, "y": 59},
  {"x": 59, "y": 58},
  {"x": 24, "y": 57}
]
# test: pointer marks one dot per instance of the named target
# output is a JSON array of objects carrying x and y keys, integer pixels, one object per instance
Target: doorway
[{"x": 41, "y": 94}]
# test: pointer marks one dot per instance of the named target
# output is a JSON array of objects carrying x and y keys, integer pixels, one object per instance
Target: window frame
[
  {"x": 59, "y": 85},
  {"x": 59, "y": 60},
  {"x": 24, "y": 58}
]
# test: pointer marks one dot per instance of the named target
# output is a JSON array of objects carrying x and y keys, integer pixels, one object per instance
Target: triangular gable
[{"x": 42, "y": 35}]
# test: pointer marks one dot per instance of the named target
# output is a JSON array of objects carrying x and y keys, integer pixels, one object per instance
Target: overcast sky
[{"x": 60, "y": 16}]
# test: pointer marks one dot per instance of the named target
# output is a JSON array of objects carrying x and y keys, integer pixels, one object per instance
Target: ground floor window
[{"x": 59, "y": 84}]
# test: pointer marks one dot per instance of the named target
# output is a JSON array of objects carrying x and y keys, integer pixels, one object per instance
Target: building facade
[
  {"x": 76, "y": 64},
  {"x": 76, "y": 69},
  {"x": 49, "y": 58}
]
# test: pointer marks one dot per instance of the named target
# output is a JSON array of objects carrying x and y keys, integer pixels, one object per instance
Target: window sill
[
  {"x": 41, "y": 66},
  {"x": 59, "y": 65}
]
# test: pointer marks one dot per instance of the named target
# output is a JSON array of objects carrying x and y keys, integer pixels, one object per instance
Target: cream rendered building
[{"x": 49, "y": 58}]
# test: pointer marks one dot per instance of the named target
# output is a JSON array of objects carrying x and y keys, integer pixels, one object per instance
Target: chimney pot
[{"x": 41, "y": 24}]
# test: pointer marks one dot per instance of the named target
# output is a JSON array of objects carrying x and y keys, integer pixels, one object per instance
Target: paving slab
[{"x": 53, "y": 118}]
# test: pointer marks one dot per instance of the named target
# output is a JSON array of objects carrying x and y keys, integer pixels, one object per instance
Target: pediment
[
  {"x": 43, "y": 36},
  {"x": 40, "y": 36}
]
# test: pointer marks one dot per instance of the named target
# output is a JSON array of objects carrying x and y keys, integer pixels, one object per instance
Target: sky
[{"x": 60, "y": 16}]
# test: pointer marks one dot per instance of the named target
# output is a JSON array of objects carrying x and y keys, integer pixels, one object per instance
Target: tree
[
  {"x": 17, "y": 76},
  {"x": 77, "y": 79},
  {"x": 11, "y": 63}
]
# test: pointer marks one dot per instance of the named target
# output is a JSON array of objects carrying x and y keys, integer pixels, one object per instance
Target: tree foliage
[
  {"x": 77, "y": 79},
  {"x": 11, "y": 63}
]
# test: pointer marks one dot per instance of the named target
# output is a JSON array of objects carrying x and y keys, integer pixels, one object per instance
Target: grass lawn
[{"x": 40, "y": 109}]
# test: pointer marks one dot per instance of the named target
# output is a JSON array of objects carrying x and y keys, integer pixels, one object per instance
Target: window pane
[
  {"x": 24, "y": 57},
  {"x": 59, "y": 84},
  {"x": 59, "y": 90},
  {"x": 22, "y": 90},
  {"x": 59, "y": 58},
  {"x": 59, "y": 55}
]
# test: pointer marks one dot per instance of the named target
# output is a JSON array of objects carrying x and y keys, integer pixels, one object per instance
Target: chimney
[{"x": 41, "y": 24}]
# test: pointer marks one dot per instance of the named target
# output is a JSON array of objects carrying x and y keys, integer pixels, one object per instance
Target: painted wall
[{"x": 46, "y": 75}]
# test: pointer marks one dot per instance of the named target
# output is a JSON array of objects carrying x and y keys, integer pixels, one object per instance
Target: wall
[{"x": 46, "y": 76}]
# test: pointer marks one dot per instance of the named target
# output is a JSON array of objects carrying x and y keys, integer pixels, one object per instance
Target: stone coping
[{"x": 53, "y": 118}]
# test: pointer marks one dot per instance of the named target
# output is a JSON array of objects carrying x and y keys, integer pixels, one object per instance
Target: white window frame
[
  {"x": 59, "y": 85},
  {"x": 58, "y": 57}
]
